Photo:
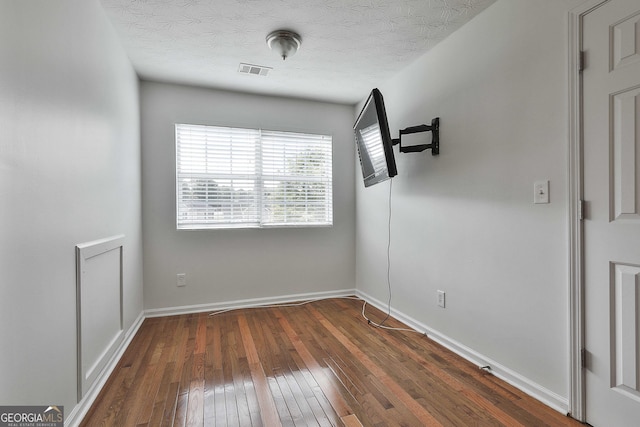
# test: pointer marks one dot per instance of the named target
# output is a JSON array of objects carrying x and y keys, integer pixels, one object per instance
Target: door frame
[{"x": 577, "y": 385}]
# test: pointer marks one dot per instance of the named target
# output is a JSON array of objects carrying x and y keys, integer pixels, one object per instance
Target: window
[{"x": 247, "y": 178}]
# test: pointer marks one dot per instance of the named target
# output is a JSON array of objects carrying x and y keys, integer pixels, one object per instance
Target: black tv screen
[{"x": 373, "y": 140}]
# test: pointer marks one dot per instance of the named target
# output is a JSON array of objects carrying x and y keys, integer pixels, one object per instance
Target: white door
[{"x": 611, "y": 168}]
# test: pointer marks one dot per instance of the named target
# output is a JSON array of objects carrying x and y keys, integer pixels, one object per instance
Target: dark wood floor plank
[
  {"x": 196, "y": 402},
  {"x": 328, "y": 387},
  {"x": 162, "y": 397},
  {"x": 195, "y": 408},
  {"x": 140, "y": 383},
  {"x": 275, "y": 361},
  {"x": 180, "y": 417},
  {"x": 216, "y": 415},
  {"x": 250, "y": 415},
  {"x": 455, "y": 402},
  {"x": 238, "y": 360},
  {"x": 111, "y": 398},
  {"x": 152, "y": 378},
  {"x": 228, "y": 342},
  {"x": 186, "y": 363},
  {"x": 422, "y": 414},
  {"x": 213, "y": 339},
  {"x": 174, "y": 397},
  {"x": 382, "y": 400},
  {"x": 446, "y": 403},
  {"x": 320, "y": 364},
  {"x": 289, "y": 398},
  {"x": 298, "y": 404},
  {"x": 352, "y": 421},
  {"x": 317, "y": 411},
  {"x": 171, "y": 333},
  {"x": 546, "y": 417},
  {"x": 268, "y": 412},
  {"x": 169, "y": 412}
]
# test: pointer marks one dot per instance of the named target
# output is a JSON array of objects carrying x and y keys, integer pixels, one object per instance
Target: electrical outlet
[
  {"x": 182, "y": 280},
  {"x": 441, "y": 299}
]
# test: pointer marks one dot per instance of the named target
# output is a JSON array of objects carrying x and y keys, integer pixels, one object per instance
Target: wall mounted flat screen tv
[{"x": 375, "y": 146}]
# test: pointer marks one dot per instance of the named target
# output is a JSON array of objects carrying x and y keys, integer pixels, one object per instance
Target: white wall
[
  {"x": 464, "y": 222},
  {"x": 230, "y": 265},
  {"x": 69, "y": 173}
]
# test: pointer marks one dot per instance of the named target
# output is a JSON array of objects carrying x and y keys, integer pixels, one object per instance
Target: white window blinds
[{"x": 241, "y": 178}]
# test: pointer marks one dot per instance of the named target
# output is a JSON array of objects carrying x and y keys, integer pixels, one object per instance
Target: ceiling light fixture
[{"x": 285, "y": 42}]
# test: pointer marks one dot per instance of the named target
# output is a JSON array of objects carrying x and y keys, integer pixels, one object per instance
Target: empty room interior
[{"x": 152, "y": 277}]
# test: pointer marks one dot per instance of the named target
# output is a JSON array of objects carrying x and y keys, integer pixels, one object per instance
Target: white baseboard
[
  {"x": 529, "y": 387},
  {"x": 246, "y": 303},
  {"x": 80, "y": 410}
]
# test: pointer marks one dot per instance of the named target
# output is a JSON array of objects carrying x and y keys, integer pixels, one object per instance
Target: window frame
[{"x": 301, "y": 141}]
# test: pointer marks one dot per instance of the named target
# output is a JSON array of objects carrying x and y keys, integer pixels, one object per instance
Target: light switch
[
  {"x": 441, "y": 295},
  {"x": 541, "y": 192},
  {"x": 182, "y": 280}
]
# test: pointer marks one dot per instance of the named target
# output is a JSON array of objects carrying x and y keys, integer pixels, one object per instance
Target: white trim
[
  {"x": 80, "y": 410},
  {"x": 85, "y": 251},
  {"x": 574, "y": 192},
  {"x": 531, "y": 388},
  {"x": 577, "y": 387},
  {"x": 247, "y": 303}
]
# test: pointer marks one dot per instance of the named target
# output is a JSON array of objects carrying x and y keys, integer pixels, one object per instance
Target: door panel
[
  {"x": 626, "y": 148},
  {"x": 611, "y": 165}
]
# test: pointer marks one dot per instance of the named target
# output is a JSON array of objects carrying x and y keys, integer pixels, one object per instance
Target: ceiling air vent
[{"x": 257, "y": 70}]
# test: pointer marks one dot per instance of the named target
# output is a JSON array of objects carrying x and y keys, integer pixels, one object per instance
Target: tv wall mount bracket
[{"x": 435, "y": 141}]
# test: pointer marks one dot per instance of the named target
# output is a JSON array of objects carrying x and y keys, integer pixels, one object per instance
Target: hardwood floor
[{"x": 319, "y": 364}]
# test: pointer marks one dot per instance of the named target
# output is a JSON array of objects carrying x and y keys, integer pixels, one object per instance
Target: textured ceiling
[{"x": 348, "y": 46}]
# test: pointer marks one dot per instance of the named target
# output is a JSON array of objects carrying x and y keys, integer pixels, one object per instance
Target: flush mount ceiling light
[{"x": 285, "y": 42}]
